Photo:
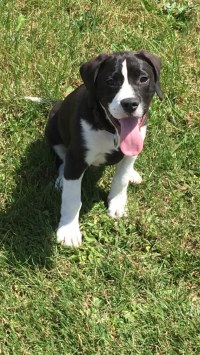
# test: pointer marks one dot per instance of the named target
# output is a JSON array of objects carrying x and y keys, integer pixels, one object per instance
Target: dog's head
[{"x": 124, "y": 84}]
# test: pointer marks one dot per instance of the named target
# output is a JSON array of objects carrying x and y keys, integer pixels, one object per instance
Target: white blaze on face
[
  {"x": 126, "y": 91},
  {"x": 131, "y": 140}
]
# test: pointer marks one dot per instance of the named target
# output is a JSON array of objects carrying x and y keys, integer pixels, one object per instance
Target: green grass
[{"x": 133, "y": 287}]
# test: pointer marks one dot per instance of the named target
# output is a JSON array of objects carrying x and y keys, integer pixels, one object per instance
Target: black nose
[{"x": 130, "y": 104}]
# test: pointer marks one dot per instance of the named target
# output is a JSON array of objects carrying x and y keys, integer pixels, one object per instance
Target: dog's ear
[
  {"x": 155, "y": 62},
  {"x": 90, "y": 69}
]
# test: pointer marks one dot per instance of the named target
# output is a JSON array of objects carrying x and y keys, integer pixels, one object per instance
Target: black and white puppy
[{"x": 102, "y": 122}]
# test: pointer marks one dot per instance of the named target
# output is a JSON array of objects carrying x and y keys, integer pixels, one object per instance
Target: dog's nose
[{"x": 130, "y": 104}]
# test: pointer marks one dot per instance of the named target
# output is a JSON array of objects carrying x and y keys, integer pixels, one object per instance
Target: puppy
[{"x": 102, "y": 122}]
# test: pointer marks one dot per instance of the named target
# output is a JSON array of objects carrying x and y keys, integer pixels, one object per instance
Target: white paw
[
  {"x": 116, "y": 207},
  {"x": 135, "y": 177},
  {"x": 69, "y": 235}
]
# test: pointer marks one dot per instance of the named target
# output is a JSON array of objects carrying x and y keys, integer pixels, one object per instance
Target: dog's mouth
[{"x": 128, "y": 128}]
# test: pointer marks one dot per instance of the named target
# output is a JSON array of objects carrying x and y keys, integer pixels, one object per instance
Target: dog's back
[{"x": 63, "y": 117}]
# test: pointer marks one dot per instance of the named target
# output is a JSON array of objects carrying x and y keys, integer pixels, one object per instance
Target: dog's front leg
[
  {"x": 118, "y": 193},
  {"x": 68, "y": 232}
]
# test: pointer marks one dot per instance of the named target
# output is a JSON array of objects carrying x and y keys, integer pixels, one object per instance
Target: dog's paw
[
  {"x": 135, "y": 177},
  {"x": 69, "y": 236},
  {"x": 116, "y": 207}
]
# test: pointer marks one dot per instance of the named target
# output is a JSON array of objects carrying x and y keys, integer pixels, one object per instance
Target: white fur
[
  {"x": 126, "y": 91},
  {"x": 37, "y": 99},
  {"x": 68, "y": 232},
  {"x": 143, "y": 131},
  {"x": 98, "y": 143},
  {"x": 135, "y": 177},
  {"x": 118, "y": 193}
]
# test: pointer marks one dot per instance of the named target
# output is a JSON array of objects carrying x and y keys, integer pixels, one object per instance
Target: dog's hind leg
[
  {"x": 61, "y": 153},
  {"x": 55, "y": 141}
]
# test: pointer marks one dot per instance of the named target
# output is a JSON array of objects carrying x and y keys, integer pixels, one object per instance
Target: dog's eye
[
  {"x": 144, "y": 79},
  {"x": 111, "y": 82}
]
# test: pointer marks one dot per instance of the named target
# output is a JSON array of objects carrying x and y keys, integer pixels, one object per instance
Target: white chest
[{"x": 98, "y": 144}]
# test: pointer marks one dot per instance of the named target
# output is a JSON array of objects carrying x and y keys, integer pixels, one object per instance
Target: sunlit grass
[{"x": 133, "y": 287}]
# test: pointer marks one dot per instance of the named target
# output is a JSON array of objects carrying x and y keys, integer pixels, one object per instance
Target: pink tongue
[{"x": 131, "y": 142}]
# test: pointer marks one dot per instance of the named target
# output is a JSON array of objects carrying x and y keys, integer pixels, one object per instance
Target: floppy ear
[
  {"x": 90, "y": 69},
  {"x": 155, "y": 62}
]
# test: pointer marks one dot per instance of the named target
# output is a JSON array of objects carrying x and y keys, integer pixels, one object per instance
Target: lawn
[{"x": 133, "y": 287}]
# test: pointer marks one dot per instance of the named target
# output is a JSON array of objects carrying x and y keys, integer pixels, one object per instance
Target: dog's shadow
[{"x": 33, "y": 213}]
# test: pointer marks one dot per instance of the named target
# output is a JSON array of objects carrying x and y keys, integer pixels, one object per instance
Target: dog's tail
[{"x": 40, "y": 99}]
